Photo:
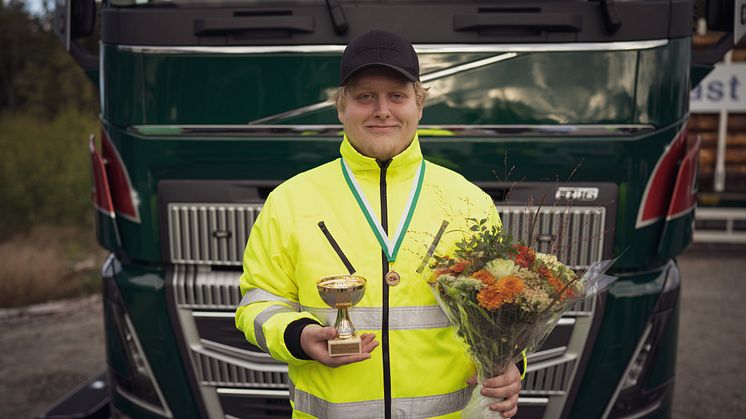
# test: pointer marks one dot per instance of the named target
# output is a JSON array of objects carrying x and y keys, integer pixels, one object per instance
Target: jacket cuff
[{"x": 292, "y": 337}]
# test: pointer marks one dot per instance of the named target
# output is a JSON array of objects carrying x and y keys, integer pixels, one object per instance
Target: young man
[{"x": 412, "y": 364}]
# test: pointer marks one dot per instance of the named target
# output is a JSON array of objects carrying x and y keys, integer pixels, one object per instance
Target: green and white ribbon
[{"x": 390, "y": 246}]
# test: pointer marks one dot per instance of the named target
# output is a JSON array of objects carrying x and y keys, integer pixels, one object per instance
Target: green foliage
[
  {"x": 483, "y": 243},
  {"x": 37, "y": 76},
  {"x": 48, "y": 108},
  {"x": 44, "y": 171}
]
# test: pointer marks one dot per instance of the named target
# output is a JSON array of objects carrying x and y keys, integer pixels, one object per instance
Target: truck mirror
[
  {"x": 74, "y": 19},
  {"x": 82, "y": 17}
]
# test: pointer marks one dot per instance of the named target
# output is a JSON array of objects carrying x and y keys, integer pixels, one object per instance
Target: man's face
[{"x": 380, "y": 113}]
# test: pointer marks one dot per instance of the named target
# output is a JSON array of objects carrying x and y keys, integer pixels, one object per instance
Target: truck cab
[{"x": 573, "y": 110}]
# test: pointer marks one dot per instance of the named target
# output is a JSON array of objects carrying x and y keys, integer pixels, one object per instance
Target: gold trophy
[{"x": 342, "y": 292}]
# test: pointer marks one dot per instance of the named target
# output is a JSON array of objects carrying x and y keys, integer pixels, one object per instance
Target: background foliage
[{"x": 48, "y": 108}]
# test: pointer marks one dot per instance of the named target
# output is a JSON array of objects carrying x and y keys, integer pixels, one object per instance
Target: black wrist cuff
[{"x": 292, "y": 337}]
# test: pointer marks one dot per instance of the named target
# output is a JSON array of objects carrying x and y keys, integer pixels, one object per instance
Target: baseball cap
[{"x": 379, "y": 48}]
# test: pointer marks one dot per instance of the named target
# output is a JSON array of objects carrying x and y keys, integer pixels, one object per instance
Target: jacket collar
[{"x": 402, "y": 166}]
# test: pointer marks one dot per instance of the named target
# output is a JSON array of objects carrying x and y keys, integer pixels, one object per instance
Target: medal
[{"x": 392, "y": 278}]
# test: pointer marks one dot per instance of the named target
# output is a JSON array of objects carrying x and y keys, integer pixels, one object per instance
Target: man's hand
[
  {"x": 506, "y": 387},
  {"x": 313, "y": 340}
]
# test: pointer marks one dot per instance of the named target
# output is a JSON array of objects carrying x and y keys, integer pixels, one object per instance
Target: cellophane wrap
[{"x": 503, "y": 300}]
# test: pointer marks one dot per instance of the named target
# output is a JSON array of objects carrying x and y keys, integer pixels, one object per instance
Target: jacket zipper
[
  {"x": 385, "y": 322},
  {"x": 336, "y": 247}
]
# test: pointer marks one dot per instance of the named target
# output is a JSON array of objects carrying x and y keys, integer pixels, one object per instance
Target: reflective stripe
[
  {"x": 258, "y": 295},
  {"x": 429, "y": 406},
  {"x": 405, "y": 407},
  {"x": 400, "y": 318},
  {"x": 262, "y": 317}
]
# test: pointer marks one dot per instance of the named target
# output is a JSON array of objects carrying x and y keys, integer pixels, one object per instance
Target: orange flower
[
  {"x": 490, "y": 297},
  {"x": 526, "y": 256},
  {"x": 555, "y": 283},
  {"x": 485, "y": 276},
  {"x": 459, "y": 267},
  {"x": 500, "y": 292},
  {"x": 511, "y": 285}
]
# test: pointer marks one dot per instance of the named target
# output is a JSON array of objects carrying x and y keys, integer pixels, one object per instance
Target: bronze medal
[{"x": 392, "y": 278}]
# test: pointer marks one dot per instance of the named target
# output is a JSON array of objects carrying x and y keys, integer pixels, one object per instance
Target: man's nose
[{"x": 382, "y": 108}]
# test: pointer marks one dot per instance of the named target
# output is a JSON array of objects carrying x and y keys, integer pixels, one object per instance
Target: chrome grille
[
  {"x": 582, "y": 307},
  {"x": 213, "y": 234},
  {"x": 549, "y": 379},
  {"x": 574, "y": 234},
  {"x": 219, "y": 370},
  {"x": 198, "y": 287}
]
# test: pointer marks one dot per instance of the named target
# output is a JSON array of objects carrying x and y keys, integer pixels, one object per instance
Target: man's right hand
[{"x": 313, "y": 340}]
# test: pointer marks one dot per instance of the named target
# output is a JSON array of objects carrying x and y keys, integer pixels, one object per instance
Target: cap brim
[{"x": 409, "y": 76}]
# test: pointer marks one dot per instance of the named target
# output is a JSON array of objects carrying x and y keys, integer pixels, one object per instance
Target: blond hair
[{"x": 420, "y": 93}]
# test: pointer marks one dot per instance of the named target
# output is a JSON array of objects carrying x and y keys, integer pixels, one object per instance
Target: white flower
[{"x": 501, "y": 267}]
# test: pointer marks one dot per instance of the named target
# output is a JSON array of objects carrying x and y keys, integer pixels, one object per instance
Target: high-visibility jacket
[{"x": 420, "y": 369}]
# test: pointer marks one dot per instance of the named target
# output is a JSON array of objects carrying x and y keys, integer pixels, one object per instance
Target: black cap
[{"x": 379, "y": 48}]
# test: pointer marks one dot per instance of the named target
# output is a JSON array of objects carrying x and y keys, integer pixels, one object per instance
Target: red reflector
[
  {"x": 100, "y": 195},
  {"x": 122, "y": 193},
  {"x": 657, "y": 196},
  {"x": 684, "y": 196}
]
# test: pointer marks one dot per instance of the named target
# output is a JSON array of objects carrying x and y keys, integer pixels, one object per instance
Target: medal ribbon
[{"x": 390, "y": 246}]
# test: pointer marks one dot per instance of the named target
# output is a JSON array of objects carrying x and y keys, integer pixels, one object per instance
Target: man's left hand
[{"x": 505, "y": 386}]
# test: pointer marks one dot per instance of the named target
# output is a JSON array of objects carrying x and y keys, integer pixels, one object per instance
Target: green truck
[{"x": 575, "y": 109}]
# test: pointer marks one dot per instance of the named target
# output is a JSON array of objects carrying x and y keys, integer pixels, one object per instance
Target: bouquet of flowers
[{"x": 504, "y": 299}]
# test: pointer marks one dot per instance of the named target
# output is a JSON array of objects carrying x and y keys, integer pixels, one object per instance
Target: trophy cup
[{"x": 342, "y": 292}]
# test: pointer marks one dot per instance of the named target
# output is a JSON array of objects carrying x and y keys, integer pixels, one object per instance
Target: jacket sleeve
[{"x": 270, "y": 293}]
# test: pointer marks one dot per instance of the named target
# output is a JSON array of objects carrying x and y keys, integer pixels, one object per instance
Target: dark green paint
[
  {"x": 628, "y": 306},
  {"x": 625, "y": 87},
  {"x": 142, "y": 290}
]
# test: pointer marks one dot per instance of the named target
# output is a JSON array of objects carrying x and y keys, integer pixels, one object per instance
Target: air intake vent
[
  {"x": 549, "y": 380},
  {"x": 198, "y": 287},
  {"x": 219, "y": 370},
  {"x": 575, "y": 234},
  {"x": 212, "y": 234}
]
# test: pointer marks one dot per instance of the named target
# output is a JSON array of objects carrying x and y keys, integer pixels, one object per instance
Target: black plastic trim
[{"x": 540, "y": 21}]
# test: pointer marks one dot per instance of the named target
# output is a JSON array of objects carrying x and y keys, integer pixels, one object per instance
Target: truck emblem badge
[
  {"x": 575, "y": 193},
  {"x": 221, "y": 234}
]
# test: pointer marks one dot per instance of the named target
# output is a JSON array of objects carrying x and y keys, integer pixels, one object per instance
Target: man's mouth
[{"x": 381, "y": 127}]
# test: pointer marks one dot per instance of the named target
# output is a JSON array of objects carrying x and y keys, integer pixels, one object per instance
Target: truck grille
[
  {"x": 216, "y": 234},
  {"x": 215, "y": 369},
  {"x": 574, "y": 234},
  {"x": 198, "y": 287},
  {"x": 552, "y": 379},
  {"x": 212, "y": 234},
  {"x": 206, "y": 243}
]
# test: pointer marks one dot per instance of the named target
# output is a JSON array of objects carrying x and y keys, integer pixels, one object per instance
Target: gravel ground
[
  {"x": 710, "y": 368},
  {"x": 47, "y": 350}
]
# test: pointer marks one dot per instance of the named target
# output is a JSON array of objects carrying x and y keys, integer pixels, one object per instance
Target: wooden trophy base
[{"x": 349, "y": 346}]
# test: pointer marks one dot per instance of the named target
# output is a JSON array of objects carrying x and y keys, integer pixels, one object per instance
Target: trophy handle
[{"x": 345, "y": 329}]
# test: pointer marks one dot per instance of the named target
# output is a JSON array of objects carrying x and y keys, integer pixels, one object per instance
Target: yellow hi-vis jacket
[{"x": 420, "y": 369}]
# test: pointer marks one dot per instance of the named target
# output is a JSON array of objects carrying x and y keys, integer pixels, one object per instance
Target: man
[{"x": 339, "y": 218}]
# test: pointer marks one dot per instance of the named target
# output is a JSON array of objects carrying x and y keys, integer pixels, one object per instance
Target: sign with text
[{"x": 723, "y": 89}]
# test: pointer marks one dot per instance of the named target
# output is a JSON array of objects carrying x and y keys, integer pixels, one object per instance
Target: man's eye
[
  {"x": 398, "y": 97},
  {"x": 365, "y": 97}
]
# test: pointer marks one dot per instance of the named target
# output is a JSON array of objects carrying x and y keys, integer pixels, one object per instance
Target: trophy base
[{"x": 349, "y": 346}]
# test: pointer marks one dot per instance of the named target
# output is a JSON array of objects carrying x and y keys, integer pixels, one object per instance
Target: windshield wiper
[{"x": 339, "y": 20}]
